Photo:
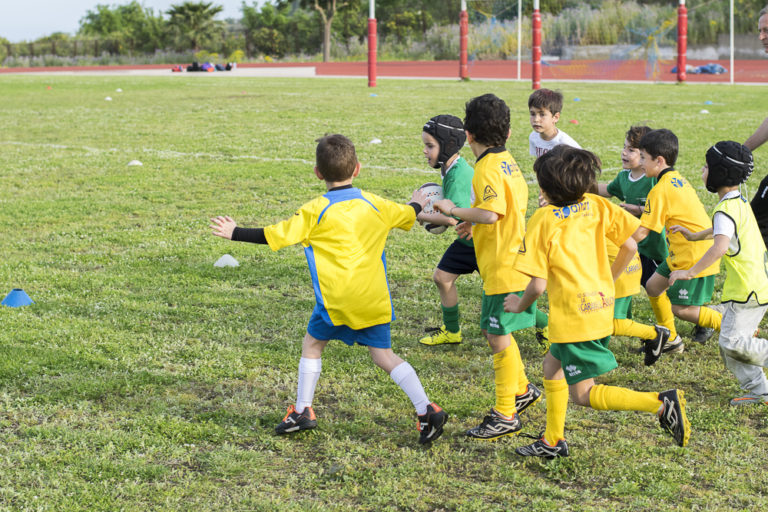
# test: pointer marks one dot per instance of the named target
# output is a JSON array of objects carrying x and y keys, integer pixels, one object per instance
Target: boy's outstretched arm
[
  {"x": 477, "y": 215},
  {"x": 624, "y": 257},
  {"x": 718, "y": 249},
  {"x": 689, "y": 235},
  {"x": 223, "y": 226},
  {"x": 515, "y": 304}
]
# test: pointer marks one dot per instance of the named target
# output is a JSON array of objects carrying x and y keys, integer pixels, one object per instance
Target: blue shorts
[
  {"x": 377, "y": 336},
  {"x": 458, "y": 259}
]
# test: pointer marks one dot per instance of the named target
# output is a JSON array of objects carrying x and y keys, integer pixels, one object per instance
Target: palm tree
[{"x": 193, "y": 23}]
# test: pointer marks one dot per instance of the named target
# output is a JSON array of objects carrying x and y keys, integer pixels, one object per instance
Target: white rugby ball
[{"x": 434, "y": 193}]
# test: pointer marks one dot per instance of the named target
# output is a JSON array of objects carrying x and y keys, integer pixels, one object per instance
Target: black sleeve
[
  {"x": 252, "y": 235},
  {"x": 416, "y": 206}
]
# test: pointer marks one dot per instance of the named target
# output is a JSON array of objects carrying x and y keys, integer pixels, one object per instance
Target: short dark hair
[
  {"x": 486, "y": 117},
  {"x": 566, "y": 173},
  {"x": 635, "y": 134},
  {"x": 548, "y": 99},
  {"x": 335, "y": 157},
  {"x": 660, "y": 142}
]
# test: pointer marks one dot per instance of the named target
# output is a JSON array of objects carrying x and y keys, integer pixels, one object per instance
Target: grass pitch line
[{"x": 165, "y": 153}]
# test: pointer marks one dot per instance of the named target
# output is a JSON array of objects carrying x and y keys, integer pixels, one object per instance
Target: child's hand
[
  {"x": 464, "y": 230},
  {"x": 512, "y": 303},
  {"x": 681, "y": 275},
  {"x": 420, "y": 197},
  {"x": 444, "y": 206},
  {"x": 223, "y": 226},
  {"x": 687, "y": 233},
  {"x": 634, "y": 209}
]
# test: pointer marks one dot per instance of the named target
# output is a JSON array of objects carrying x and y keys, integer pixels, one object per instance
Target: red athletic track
[{"x": 747, "y": 71}]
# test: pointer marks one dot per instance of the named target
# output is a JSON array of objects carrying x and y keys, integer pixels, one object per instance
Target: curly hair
[
  {"x": 635, "y": 134},
  {"x": 486, "y": 118}
]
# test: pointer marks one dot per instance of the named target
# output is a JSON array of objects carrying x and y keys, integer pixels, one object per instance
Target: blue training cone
[{"x": 17, "y": 298}]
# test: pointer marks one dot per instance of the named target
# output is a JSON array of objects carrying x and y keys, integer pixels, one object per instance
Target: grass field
[{"x": 143, "y": 378}]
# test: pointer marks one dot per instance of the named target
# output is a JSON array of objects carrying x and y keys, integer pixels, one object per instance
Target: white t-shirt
[
  {"x": 538, "y": 146},
  {"x": 724, "y": 225}
]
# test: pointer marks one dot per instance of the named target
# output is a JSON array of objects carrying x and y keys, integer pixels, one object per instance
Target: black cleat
[
  {"x": 531, "y": 396},
  {"x": 495, "y": 426},
  {"x": 541, "y": 448},
  {"x": 431, "y": 423},
  {"x": 294, "y": 422},
  {"x": 672, "y": 417},
  {"x": 702, "y": 334},
  {"x": 654, "y": 347}
]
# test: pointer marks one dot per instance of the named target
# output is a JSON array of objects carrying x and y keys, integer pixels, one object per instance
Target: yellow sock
[
  {"x": 556, "y": 393},
  {"x": 708, "y": 317},
  {"x": 522, "y": 379},
  {"x": 613, "y": 398},
  {"x": 506, "y": 369},
  {"x": 662, "y": 308},
  {"x": 626, "y": 327}
]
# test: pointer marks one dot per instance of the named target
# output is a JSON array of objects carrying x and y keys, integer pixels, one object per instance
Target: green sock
[
  {"x": 542, "y": 320},
  {"x": 451, "y": 318}
]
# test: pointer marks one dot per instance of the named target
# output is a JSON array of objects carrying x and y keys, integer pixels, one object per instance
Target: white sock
[
  {"x": 405, "y": 376},
  {"x": 309, "y": 372}
]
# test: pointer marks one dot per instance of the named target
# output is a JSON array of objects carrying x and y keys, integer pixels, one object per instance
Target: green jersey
[
  {"x": 457, "y": 186},
  {"x": 634, "y": 191}
]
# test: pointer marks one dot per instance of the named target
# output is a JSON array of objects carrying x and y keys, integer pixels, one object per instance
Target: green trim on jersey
[
  {"x": 457, "y": 186},
  {"x": 635, "y": 192}
]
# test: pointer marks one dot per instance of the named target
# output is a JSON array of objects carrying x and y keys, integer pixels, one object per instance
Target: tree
[
  {"x": 327, "y": 9},
  {"x": 130, "y": 25},
  {"x": 193, "y": 23}
]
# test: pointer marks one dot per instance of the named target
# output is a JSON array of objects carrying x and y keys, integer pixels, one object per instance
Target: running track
[{"x": 746, "y": 71}]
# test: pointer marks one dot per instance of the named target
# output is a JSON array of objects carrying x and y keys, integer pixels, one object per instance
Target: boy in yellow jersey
[
  {"x": 343, "y": 233},
  {"x": 564, "y": 252},
  {"x": 496, "y": 223},
  {"x": 745, "y": 292},
  {"x": 673, "y": 201}
]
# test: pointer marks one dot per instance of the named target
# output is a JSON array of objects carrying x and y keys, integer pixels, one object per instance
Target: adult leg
[{"x": 744, "y": 354}]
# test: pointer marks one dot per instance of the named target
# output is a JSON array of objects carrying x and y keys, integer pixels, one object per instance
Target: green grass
[{"x": 143, "y": 378}]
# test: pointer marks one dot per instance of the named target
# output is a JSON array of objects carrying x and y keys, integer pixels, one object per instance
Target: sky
[{"x": 30, "y": 19}]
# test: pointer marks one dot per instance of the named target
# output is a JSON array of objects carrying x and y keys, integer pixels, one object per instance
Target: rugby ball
[{"x": 434, "y": 193}]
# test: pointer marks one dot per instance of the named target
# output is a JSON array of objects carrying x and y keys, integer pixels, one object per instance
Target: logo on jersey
[
  {"x": 521, "y": 250},
  {"x": 509, "y": 168},
  {"x": 489, "y": 193},
  {"x": 678, "y": 182},
  {"x": 647, "y": 208},
  {"x": 594, "y": 301},
  {"x": 566, "y": 211}
]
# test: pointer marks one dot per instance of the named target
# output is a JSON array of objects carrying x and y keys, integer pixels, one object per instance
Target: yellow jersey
[
  {"x": 343, "y": 233},
  {"x": 674, "y": 201},
  {"x": 628, "y": 283},
  {"x": 567, "y": 246},
  {"x": 499, "y": 186}
]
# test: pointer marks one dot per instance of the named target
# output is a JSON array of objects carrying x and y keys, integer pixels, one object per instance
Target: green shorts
[
  {"x": 496, "y": 321},
  {"x": 695, "y": 292},
  {"x": 584, "y": 359},
  {"x": 622, "y": 308}
]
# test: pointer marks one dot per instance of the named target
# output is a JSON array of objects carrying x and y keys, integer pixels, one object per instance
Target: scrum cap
[
  {"x": 448, "y": 131},
  {"x": 729, "y": 163}
]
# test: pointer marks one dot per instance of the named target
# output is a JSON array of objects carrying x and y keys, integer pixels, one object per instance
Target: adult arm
[{"x": 759, "y": 137}]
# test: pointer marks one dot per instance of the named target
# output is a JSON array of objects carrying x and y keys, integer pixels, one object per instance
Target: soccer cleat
[
  {"x": 495, "y": 426},
  {"x": 702, "y": 334},
  {"x": 431, "y": 423},
  {"x": 672, "y": 417},
  {"x": 441, "y": 336},
  {"x": 675, "y": 346},
  {"x": 294, "y": 422},
  {"x": 531, "y": 396},
  {"x": 541, "y": 448},
  {"x": 653, "y": 348},
  {"x": 542, "y": 336},
  {"x": 750, "y": 398}
]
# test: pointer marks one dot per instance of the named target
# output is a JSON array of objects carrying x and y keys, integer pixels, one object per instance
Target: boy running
[{"x": 343, "y": 234}]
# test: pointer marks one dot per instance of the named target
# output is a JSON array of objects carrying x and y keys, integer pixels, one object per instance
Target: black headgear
[
  {"x": 729, "y": 163},
  {"x": 448, "y": 131}
]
